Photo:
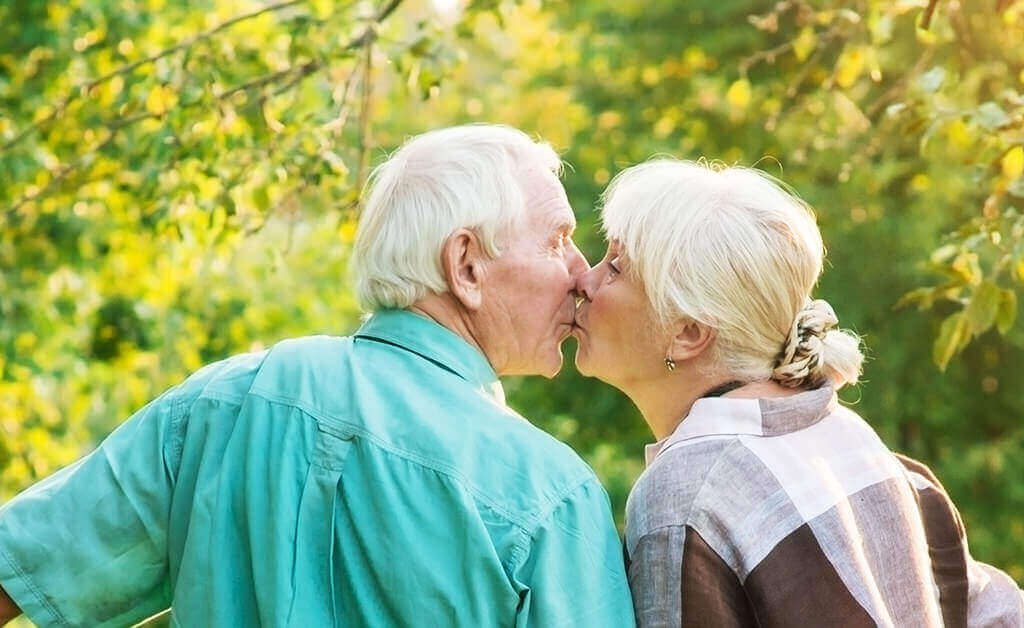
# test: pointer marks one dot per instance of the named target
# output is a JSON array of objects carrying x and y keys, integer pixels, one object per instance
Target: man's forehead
[{"x": 546, "y": 200}]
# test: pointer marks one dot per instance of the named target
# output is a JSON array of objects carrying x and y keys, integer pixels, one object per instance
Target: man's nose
[{"x": 576, "y": 263}]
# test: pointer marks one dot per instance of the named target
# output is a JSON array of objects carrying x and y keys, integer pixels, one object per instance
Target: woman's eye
[{"x": 613, "y": 266}]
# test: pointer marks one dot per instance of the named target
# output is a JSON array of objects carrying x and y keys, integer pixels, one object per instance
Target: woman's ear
[
  {"x": 462, "y": 261},
  {"x": 691, "y": 341}
]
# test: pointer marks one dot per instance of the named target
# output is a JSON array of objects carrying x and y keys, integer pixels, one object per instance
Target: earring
[{"x": 670, "y": 364}]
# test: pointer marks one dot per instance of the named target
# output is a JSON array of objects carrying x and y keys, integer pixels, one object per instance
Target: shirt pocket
[{"x": 314, "y": 581}]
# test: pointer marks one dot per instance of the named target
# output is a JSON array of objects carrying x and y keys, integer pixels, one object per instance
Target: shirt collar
[
  {"x": 434, "y": 342},
  {"x": 732, "y": 416}
]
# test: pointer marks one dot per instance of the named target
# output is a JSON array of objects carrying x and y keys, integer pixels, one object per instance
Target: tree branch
[
  {"x": 929, "y": 11},
  {"x": 302, "y": 70},
  {"x": 364, "y": 115},
  {"x": 85, "y": 88},
  {"x": 364, "y": 39},
  {"x": 899, "y": 86}
]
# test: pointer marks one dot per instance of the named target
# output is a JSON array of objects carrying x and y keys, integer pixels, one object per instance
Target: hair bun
[{"x": 799, "y": 364}]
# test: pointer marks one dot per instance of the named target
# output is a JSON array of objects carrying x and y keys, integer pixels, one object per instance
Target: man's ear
[
  {"x": 462, "y": 261},
  {"x": 692, "y": 340}
]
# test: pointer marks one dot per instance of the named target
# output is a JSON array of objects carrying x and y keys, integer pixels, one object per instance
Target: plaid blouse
[{"x": 793, "y": 512}]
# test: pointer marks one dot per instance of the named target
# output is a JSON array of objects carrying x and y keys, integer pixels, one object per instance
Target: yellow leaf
[
  {"x": 608, "y": 119},
  {"x": 958, "y": 134},
  {"x": 111, "y": 91},
  {"x": 323, "y": 9},
  {"x": 695, "y": 59},
  {"x": 952, "y": 335},
  {"x": 25, "y": 342},
  {"x": 925, "y": 36},
  {"x": 1013, "y": 162},
  {"x": 739, "y": 95},
  {"x": 852, "y": 117},
  {"x": 805, "y": 43},
  {"x": 42, "y": 113},
  {"x": 272, "y": 122},
  {"x": 664, "y": 127},
  {"x": 920, "y": 182},
  {"x": 967, "y": 266},
  {"x": 347, "y": 231},
  {"x": 160, "y": 100},
  {"x": 650, "y": 76},
  {"x": 849, "y": 67}
]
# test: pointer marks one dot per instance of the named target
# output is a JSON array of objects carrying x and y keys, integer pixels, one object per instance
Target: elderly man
[{"x": 371, "y": 480}]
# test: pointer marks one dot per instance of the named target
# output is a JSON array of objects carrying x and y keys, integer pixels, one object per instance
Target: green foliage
[{"x": 180, "y": 183}]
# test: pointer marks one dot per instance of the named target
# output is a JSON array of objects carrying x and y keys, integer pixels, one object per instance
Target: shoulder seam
[
  {"x": 446, "y": 470},
  {"x": 528, "y": 533},
  {"x": 704, "y": 483}
]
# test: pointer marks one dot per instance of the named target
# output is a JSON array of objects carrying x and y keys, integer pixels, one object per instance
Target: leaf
[
  {"x": 1013, "y": 162},
  {"x": 958, "y": 134},
  {"x": 981, "y": 311},
  {"x": 849, "y": 113},
  {"x": 923, "y": 297},
  {"x": 160, "y": 100},
  {"x": 805, "y": 43},
  {"x": 1007, "y": 313},
  {"x": 323, "y": 9},
  {"x": 990, "y": 116},
  {"x": 943, "y": 253},
  {"x": 273, "y": 123},
  {"x": 951, "y": 336},
  {"x": 967, "y": 267},
  {"x": 932, "y": 80},
  {"x": 739, "y": 95},
  {"x": 895, "y": 109},
  {"x": 849, "y": 67}
]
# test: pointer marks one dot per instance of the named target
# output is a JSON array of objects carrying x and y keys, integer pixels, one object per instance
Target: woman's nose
[{"x": 586, "y": 284}]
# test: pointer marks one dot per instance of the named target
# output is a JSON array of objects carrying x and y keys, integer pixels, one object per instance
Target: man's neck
[{"x": 445, "y": 311}]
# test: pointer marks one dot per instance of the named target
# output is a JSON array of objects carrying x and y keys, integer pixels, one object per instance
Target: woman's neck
[{"x": 664, "y": 402}]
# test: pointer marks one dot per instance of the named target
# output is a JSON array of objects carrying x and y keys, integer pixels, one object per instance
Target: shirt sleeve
[
  {"x": 571, "y": 572},
  {"x": 677, "y": 579},
  {"x": 87, "y": 545},
  {"x": 971, "y": 592}
]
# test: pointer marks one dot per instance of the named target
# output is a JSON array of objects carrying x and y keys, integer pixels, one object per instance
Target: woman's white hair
[
  {"x": 734, "y": 249},
  {"x": 460, "y": 177}
]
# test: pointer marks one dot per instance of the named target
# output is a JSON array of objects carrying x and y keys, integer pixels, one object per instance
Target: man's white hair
[
  {"x": 732, "y": 248},
  {"x": 460, "y": 177}
]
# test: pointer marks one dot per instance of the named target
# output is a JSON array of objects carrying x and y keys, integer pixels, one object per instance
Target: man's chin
[
  {"x": 554, "y": 366},
  {"x": 547, "y": 367}
]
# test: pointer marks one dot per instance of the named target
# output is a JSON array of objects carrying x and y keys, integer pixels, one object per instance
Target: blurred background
[{"x": 179, "y": 182}]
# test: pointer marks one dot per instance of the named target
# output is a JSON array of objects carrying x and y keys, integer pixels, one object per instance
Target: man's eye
[{"x": 613, "y": 266}]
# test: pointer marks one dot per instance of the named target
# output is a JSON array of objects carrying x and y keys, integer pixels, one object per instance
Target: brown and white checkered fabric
[{"x": 783, "y": 512}]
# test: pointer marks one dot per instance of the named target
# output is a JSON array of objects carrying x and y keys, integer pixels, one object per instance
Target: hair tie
[{"x": 799, "y": 362}]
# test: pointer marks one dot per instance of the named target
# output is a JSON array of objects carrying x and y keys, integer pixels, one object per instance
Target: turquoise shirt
[{"x": 371, "y": 480}]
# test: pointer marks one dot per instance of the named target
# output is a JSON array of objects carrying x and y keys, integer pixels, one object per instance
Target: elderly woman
[{"x": 764, "y": 501}]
